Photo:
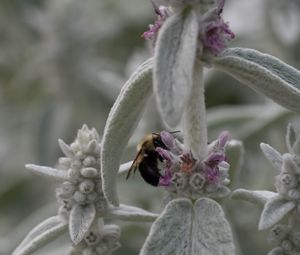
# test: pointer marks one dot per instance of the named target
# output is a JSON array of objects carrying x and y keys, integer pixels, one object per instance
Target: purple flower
[
  {"x": 223, "y": 139},
  {"x": 165, "y": 180},
  {"x": 162, "y": 14},
  {"x": 216, "y": 33},
  {"x": 168, "y": 139}
]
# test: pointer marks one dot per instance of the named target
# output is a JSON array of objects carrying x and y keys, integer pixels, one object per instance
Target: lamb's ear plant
[
  {"x": 188, "y": 36},
  {"x": 280, "y": 209},
  {"x": 83, "y": 208}
]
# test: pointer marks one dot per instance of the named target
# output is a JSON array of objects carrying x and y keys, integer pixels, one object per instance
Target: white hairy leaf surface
[
  {"x": 291, "y": 137},
  {"x": 235, "y": 154},
  {"x": 175, "y": 54},
  {"x": 263, "y": 73},
  {"x": 49, "y": 172},
  {"x": 81, "y": 219},
  {"x": 41, "y": 235},
  {"x": 170, "y": 234},
  {"x": 211, "y": 232},
  {"x": 121, "y": 122},
  {"x": 272, "y": 155},
  {"x": 131, "y": 213},
  {"x": 274, "y": 210},
  {"x": 194, "y": 118},
  {"x": 259, "y": 197}
]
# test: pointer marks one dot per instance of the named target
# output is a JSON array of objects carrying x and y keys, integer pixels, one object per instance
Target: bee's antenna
[{"x": 174, "y": 132}]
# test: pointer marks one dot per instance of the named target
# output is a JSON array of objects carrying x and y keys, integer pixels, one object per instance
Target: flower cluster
[
  {"x": 162, "y": 13},
  {"x": 101, "y": 239},
  {"x": 82, "y": 163},
  {"x": 286, "y": 237},
  {"x": 183, "y": 175},
  {"x": 214, "y": 33}
]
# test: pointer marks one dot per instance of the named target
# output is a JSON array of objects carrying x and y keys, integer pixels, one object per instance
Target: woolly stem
[{"x": 194, "y": 119}]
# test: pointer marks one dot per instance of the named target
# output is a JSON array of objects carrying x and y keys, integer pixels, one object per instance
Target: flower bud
[
  {"x": 197, "y": 181},
  {"x": 179, "y": 180},
  {"x": 277, "y": 233},
  {"x": 86, "y": 186},
  {"x": 89, "y": 172},
  {"x": 73, "y": 175},
  {"x": 79, "y": 197},
  {"x": 89, "y": 161},
  {"x": 294, "y": 194},
  {"x": 288, "y": 180}
]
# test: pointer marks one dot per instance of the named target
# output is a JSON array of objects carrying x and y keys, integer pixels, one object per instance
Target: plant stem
[{"x": 194, "y": 119}]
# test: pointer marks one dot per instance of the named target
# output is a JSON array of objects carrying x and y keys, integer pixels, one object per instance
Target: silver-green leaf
[
  {"x": 272, "y": 155},
  {"x": 42, "y": 234},
  {"x": 49, "y": 172},
  {"x": 121, "y": 122},
  {"x": 174, "y": 62},
  {"x": 259, "y": 197},
  {"x": 131, "y": 213},
  {"x": 263, "y": 73},
  {"x": 170, "y": 234},
  {"x": 211, "y": 232},
  {"x": 274, "y": 210},
  {"x": 81, "y": 219}
]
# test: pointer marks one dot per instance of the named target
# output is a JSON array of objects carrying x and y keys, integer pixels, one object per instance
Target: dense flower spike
[
  {"x": 285, "y": 204},
  {"x": 82, "y": 201},
  {"x": 83, "y": 168},
  {"x": 183, "y": 175}
]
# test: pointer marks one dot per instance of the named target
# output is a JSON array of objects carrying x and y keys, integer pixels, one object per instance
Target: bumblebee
[{"x": 147, "y": 159}]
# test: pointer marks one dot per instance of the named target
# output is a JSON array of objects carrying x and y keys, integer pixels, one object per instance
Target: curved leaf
[
  {"x": 259, "y": 197},
  {"x": 235, "y": 153},
  {"x": 42, "y": 234},
  {"x": 131, "y": 213},
  {"x": 211, "y": 232},
  {"x": 170, "y": 234},
  {"x": 263, "y": 73},
  {"x": 272, "y": 155},
  {"x": 121, "y": 122},
  {"x": 49, "y": 172},
  {"x": 274, "y": 210},
  {"x": 175, "y": 54},
  {"x": 81, "y": 219}
]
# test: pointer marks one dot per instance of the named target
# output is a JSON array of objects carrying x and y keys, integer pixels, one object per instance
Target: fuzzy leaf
[
  {"x": 274, "y": 210},
  {"x": 174, "y": 61},
  {"x": 49, "y": 172},
  {"x": 121, "y": 122},
  {"x": 234, "y": 151},
  {"x": 259, "y": 197},
  {"x": 211, "y": 232},
  {"x": 170, "y": 234},
  {"x": 272, "y": 155},
  {"x": 81, "y": 219},
  {"x": 131, "y": 213},
  {"x": 263, "y": 73},
  {"x": 42, "y": 234},
  {"x": 276, "y": 251},
  {"x": 291, "y": 137}
]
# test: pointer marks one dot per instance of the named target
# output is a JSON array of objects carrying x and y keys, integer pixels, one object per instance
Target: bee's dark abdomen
[{"x": 149, "y": 170}]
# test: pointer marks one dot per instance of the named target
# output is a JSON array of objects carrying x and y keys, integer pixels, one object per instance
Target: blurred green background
[{"x": 62, "y": 64}]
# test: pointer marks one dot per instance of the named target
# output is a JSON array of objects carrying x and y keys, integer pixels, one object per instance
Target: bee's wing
[{"x": 134, "y": 165}]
